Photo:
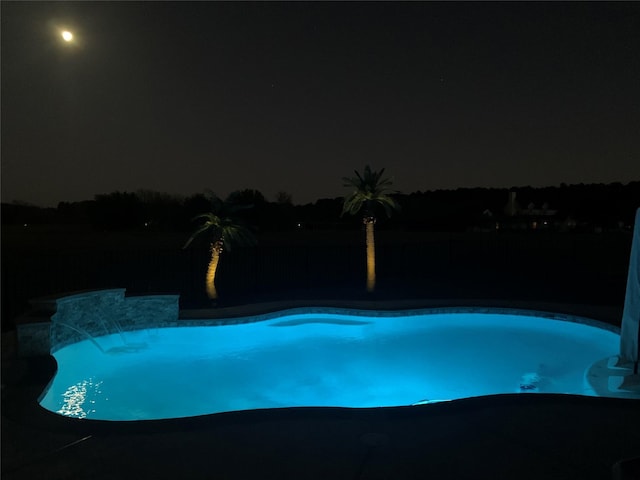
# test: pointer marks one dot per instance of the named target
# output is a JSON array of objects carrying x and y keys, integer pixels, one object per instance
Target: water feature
[
  {"x": 84, "y": 333},
  {"x": 117, "y": 341}
]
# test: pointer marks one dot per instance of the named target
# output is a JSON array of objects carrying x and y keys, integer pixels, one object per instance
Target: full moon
[{"x": 67, "y": 36}]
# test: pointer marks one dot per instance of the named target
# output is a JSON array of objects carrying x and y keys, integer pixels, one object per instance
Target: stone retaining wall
[{"x": 58, "y": 321}]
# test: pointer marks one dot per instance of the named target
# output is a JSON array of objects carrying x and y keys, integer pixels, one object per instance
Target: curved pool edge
[
  {"x": 22, "y": 406},
  {"x": 35, "y": 335},
  {"x": 611, "y": 314},
  {"x": 605, "y": 317}
]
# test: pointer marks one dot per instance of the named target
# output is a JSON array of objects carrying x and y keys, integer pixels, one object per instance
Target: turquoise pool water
[{"x": 323, "y": 359}]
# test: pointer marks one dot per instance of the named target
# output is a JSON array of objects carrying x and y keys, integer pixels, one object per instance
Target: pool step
[{"x": 606, "y": 378}]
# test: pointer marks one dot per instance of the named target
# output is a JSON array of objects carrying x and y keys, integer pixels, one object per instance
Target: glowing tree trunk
[
  {"x": 216, "y": 250},
  {"x": 371, "y": 253}
]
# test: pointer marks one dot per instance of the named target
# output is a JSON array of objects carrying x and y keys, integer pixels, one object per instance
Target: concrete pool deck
[{"x": 522, "y": 436}]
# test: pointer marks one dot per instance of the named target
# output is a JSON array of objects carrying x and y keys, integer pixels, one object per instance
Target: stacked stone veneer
[{"x": 56, "y": 322}]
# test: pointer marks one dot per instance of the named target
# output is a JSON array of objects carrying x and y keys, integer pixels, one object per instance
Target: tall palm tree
[
  {"x": 225, "y": 231},
  {"x": 371, "y": 192}
]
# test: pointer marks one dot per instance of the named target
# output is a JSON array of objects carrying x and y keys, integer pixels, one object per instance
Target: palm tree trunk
[
  {"x": 216, "y": 250},
  {"x": 371, "y": 254}
]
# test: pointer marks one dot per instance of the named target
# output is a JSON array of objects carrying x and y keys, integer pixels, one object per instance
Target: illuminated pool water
[{"x": 323, "y": 359}]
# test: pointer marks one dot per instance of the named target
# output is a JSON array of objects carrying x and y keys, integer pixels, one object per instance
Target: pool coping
[
  {"x": 607, "y": 313},
  {"x": 208, "y": 318},
  {"x": 22, "y": 406},
  {"x": 63, "y": 319}
]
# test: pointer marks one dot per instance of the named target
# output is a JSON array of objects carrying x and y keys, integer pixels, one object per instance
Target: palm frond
[
  {"x": 371, "y": 190},
  {"x": 227, "y": 228},
  {"x": 195, "y": 234},
  {"x": 234, "y": 234},
  {"x": 211, "y": 222}
]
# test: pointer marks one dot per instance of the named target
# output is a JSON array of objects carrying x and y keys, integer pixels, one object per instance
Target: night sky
[{"x": 182, "y": 97}]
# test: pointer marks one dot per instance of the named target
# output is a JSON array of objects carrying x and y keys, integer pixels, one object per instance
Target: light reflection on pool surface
[{"x": 323, "y": 359}]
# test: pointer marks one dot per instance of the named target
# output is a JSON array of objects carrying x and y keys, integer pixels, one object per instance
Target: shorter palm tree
[
  {"x": 225, "y": 231},
  {"x": 371, "y": 192}
]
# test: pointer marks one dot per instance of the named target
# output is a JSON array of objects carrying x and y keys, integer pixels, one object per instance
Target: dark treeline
[{"x": 594, "y": 206}]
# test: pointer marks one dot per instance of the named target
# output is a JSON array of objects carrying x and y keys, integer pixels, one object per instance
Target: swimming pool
[{"x": 352, "y": 359}]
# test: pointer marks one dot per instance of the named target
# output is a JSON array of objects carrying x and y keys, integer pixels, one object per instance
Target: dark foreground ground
[{"x": 512, "y": 437}]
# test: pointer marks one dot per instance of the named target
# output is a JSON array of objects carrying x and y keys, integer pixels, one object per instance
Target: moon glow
[{"x": 67, "y": 36}]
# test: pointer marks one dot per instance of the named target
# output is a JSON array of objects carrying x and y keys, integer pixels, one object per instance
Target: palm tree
[
  {"x": 225, "y": 231},
  {"x": 371, "y": 192}
]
